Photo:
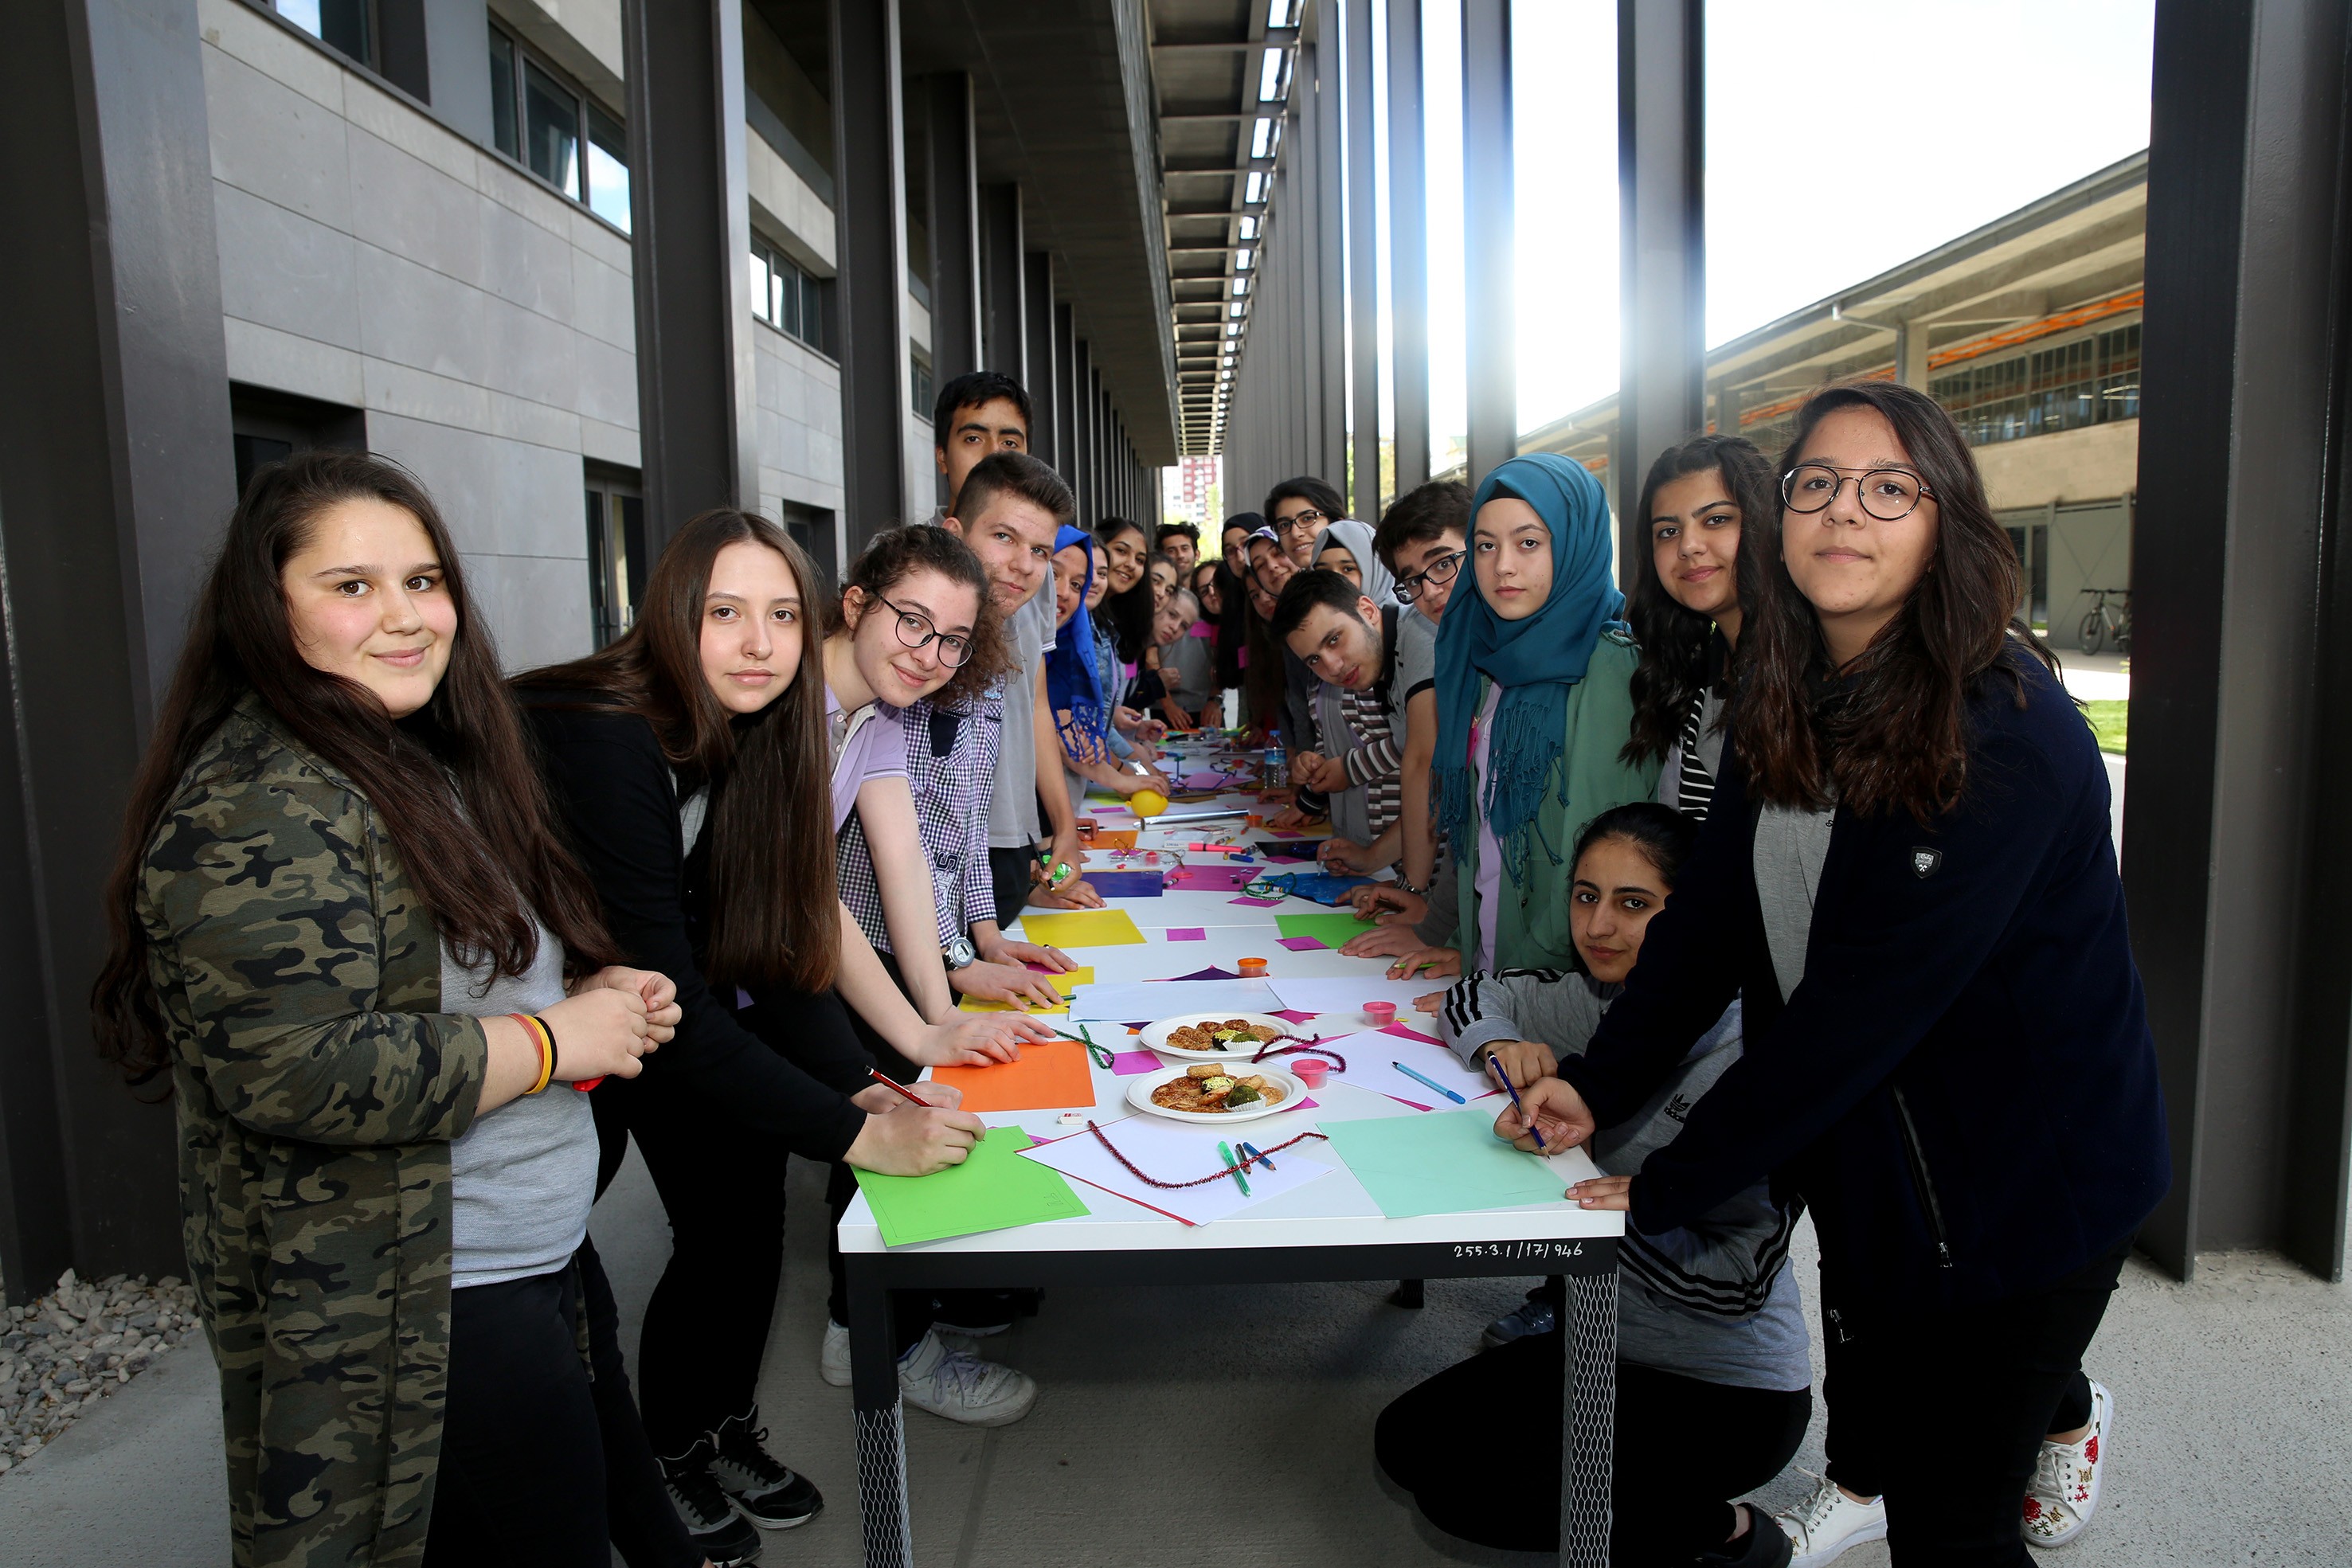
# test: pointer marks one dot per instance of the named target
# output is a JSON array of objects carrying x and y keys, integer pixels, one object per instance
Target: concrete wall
[{"x": 2094, "y": 463}]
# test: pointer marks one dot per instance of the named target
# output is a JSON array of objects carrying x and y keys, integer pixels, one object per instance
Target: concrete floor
[{"x": 2231, "y": 1445}]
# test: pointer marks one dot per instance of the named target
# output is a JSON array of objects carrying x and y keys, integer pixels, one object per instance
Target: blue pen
[
  {"x": 1254, "y": 1152},
  {"x": 1520, "y": 1105},
  {"x": 1417, "y": 1078}
]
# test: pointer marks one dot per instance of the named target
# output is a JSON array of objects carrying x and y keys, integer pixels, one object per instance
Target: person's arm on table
[{"x": 974, "y": 1041}]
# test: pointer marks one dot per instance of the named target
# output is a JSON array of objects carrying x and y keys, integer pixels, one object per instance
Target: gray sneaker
[
  {"x": 960, "y": 1386},
  {"x": 1534, "y": 1316}
]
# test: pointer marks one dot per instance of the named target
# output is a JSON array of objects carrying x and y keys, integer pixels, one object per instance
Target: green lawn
[{"x": 2109, "y": 721}]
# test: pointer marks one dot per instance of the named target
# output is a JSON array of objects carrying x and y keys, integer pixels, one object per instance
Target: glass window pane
[
  {"x": 550, "y": 130},
  {"x": 812, "y": 312},
  {"x": 788, "y": 296},
  {"x": 340, "y": 25},
  {"x": 760, "y": 286},
  {"x": 608, "y": 169},
  {"x": 502, "y": 94}
]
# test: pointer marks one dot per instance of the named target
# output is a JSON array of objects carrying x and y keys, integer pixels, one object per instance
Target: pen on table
[
  {"x": 1431, "y": 1082},
  {"x": 1239, "y": 1179},
  {"x": 1254, "y": 1152},
  {"x": 898, "y": 1089},
  {"x": 1516, "y": 1103}
]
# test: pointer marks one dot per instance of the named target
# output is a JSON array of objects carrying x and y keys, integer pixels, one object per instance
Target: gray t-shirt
[
  {"x": 1416, "y": 668},
  {"x": 1012, "y": 821},
  {"x": 1791, "y": 846},
  {"x": 523, "y": 1177}
]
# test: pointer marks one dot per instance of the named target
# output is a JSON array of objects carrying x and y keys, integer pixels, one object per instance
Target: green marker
[{"x": 1239, "y": 1180}]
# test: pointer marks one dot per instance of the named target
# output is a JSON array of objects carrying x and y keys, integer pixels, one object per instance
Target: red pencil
[{"x": 898, "y": 1089}]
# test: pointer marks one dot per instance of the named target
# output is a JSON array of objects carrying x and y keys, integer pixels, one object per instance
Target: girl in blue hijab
[
  {"x": 1093, "y": 751},
  {"x": 1533, "y": 708}
]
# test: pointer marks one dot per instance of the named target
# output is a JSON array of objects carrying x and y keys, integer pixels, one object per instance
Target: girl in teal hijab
[{"x": 1552, "y": 649}]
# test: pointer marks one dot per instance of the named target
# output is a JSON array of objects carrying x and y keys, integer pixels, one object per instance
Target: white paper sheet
[
  {"x": 1348, "y": 994},
  {"x": 1371, "y": 1055},
  {"x": 1147, "y": 1001},
  {"x": 1173, "y": 1152}
]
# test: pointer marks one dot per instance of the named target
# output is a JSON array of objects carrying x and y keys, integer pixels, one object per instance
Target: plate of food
[
  {"x": 1213, "y": 1037},
  {"x": 1214, "y": 1092}
]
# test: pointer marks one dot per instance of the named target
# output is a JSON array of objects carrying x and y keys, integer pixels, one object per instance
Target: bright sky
[{"x": 1911, "y": 122}]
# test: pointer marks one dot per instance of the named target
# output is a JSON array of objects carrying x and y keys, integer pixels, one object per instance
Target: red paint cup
[
  {"x": 1310, "y": 1071},
  {"x": 1382, "y": 1014}
]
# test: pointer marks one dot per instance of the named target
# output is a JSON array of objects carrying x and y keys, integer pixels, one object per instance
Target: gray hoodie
[{"x": 1716, "y": 1300}]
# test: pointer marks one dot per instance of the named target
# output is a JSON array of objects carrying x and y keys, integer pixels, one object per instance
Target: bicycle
[{"x": 2108, "y": 621}]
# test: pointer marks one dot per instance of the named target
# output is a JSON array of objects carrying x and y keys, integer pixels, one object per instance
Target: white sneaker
[
  {"x": 1829, "y": 1521},
  {"x": 833, "y": 1361},
  {"x": 2065, "y": 1491},
  {"x": 960, "y": 1386}
]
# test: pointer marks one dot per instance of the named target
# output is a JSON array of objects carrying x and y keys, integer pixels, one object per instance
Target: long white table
[{"x": 1329, "y": 1230}]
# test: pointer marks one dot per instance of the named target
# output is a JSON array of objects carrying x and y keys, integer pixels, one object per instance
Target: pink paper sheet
[
  {"x": 1128, "y": 1064},
  {"x": 1293, "y": 1017},
  {"x": 1302, "y": 943},
  {"x": 1212, "y": 878},
  {"x": 1410, "y": 1033},
  {"x": 1187, "y": 934},
  {"x": 1256, "y": 903}
]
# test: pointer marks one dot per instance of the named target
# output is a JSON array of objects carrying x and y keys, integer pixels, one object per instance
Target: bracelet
[
  {"x": 541, "y": 1038},
  {"x": 554, "y": 1052},
  {"x": 1404, "y": 886}
]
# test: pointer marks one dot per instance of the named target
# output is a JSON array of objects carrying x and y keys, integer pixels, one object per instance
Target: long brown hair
[
  {"x": 1895, "y": 732},
  {"x": 896, "y": 554},
  {"x": 772, "y": 917},
  {"x": 453, "y": 782},
  {"x": 1676, "y": 639}
]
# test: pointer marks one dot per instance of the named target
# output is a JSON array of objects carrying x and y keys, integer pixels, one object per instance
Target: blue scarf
[
  {"x": 1535, "y": 661},
  {"x": 1072, "y": 689}
]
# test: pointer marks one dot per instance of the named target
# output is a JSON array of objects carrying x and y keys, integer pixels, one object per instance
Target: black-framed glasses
[
  {"x": 1297, "y": 520},
  {"x": 916, "y": 630},
  {"x": 1436, "y": 574},
  {"x": 1887, "y": 493}
]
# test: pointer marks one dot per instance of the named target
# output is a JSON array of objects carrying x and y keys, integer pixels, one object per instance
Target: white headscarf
[{"x": 1356, "y": 539}]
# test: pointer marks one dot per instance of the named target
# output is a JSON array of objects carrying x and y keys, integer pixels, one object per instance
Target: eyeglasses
[
  {"x": 916, "y": 630},
  {"x": 1297, "y": 520},
  {"x": 1436, "y": 574},
  {"x": 1887, "y": 493}
]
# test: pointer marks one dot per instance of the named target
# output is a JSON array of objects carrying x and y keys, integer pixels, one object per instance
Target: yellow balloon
[{"x": 1147, "y": 802}]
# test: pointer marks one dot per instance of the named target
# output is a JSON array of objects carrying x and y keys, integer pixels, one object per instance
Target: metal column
[
  {"x": 870, "y": 247},
  {"x": 1330, "y": 292},
  {"x": 2236, "y": 845},
  {"x": 1488, "y": 275},
  {"x": 1408, "y": 244},
  {"x": 115, "y": 477},
  {"x": 955, "y": 223},
  {"x": 1662, "y": 278},
  {"x": 1065, "y": 396},
  {"x": 1037, "y": 313},
  {"x": 690, "y": 218},
  {"x": 1363, "y": 264},
  {"x": 1004, "y": 269}
]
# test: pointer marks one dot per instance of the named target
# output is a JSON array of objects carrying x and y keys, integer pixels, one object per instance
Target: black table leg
[
  {"x": 881, "y": 1426},
  {"x": 1589, "y": 1412},
  {"x": 1409, "y": 1293}
]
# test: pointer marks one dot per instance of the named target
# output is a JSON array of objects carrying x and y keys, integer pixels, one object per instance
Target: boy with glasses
[{"x": 1424, "y": 540}]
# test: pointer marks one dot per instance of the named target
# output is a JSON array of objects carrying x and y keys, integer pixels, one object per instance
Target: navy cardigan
[{"x": 1963, "y": 1087}]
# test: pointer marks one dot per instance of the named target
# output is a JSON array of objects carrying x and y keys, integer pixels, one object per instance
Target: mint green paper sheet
[
  {"x": 991, "y": 1190},
  {"x": 1335, "y": 930},
  {"x": 1446, "y": 1161}
]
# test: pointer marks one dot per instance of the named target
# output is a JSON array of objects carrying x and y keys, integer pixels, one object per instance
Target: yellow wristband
[{"x": 539, "y": 1036}]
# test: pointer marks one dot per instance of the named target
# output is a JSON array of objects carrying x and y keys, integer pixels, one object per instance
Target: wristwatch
[{"x": 959, "y": 953}]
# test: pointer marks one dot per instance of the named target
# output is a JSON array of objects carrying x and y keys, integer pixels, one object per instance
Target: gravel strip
[{"x": 61, "y": 1354}]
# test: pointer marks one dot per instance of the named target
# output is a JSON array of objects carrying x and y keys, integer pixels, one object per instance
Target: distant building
[{"x": 1195, "y": 500}]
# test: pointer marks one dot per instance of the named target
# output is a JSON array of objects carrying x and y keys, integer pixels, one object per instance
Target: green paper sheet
[
  {"x": 991, "y": 1190},
  {"x": 1447, "y": 1162},
  {"x": 1332, "y": 930}
]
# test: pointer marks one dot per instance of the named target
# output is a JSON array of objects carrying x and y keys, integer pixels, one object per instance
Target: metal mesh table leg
[
  {"x": 882, "y": 1488},
  {"x": 1589, "y": 1418}
]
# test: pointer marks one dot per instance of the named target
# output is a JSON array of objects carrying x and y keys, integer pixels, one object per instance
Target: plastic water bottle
[{"x": 1277, "y": 772}]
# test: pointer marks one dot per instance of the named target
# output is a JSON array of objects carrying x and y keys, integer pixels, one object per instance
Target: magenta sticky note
[
  {"x": 1128, "y": 1064},
  {"x": 1187, "y": 934},
  {"x": 1302, "y": 943},
  {"x": 1410, "y": 1033},
  {"x": 1292, "y": 1016},
  {"x": 1258, "y": 903}
]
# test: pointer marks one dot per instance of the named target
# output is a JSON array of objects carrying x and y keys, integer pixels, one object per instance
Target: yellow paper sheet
[
  {"x": 1081, "y": 928},
  {"x": 1064, "y": 983}
]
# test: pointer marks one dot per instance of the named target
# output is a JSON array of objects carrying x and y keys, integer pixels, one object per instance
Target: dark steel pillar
[
  {"x": 1408, "y": 244},
  {"x": 870, "y": 250},
  {"x": 1037, "y": 313},
  {"x": 1329, "y": 289},
  {"x": 1363, "y": 264},
  {"x": 2242, "y": 667},
  {"x": 1489, "y": 235},
  {"x": 1005, "y": 266},
  {"x": 1661, "y": 276},
  {"x": 115, "y": 478},
  {"x": 689, "y": 210},
  {"x": 1067, "y": 358},
  {"x": 955, "y": 222}
]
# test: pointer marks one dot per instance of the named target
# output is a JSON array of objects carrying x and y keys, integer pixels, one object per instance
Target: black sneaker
[
  {"x": 718, "y": 1531},
  {"x": 1764, "y": 1546},
  {"x": 771, "y": 1495}
]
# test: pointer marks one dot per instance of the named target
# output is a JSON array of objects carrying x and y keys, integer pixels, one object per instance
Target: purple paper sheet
[
  {"x": 1210, "y": 973},
  {"x": 1302, "y": 944},
  {"x": 1212, "y": 878},
  {"x": 1255, "y": 903},
  {"x": 1187, "y": 934},
  {"x": 1124, "y": 883}
]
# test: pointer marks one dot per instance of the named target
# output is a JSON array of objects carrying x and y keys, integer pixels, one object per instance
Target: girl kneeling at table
[{"x": 1714, "y": 1378}]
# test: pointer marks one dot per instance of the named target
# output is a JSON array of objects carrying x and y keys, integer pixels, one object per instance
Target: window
[
  {"x": 616, "y": 552},
  {"x": 919, "y": 377},
  {"x": 787, "y": 297},
  {"x": 345, "y": 25},
  {"x": 556, "y": 133},
  {"x": 2089, "y": 380}
]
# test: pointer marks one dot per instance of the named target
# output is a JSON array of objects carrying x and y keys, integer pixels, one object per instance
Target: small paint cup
[
  {"x": 1381, "y": 1014},
  {"x": 1253, "y": 968},
  {"x": 1310, "y": 1071}
]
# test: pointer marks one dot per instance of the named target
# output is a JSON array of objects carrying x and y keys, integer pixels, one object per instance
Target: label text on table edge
[{"x": 1519, "y": 1251}]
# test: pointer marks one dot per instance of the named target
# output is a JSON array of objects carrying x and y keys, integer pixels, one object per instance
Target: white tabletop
[{"x": 1332, "y": 1211}]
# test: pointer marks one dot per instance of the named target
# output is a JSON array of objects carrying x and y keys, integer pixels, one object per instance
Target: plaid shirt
[{"x": 950, "y": 769}]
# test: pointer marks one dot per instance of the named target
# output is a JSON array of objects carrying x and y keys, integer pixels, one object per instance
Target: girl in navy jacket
[{"x": 1907, "y": 875}]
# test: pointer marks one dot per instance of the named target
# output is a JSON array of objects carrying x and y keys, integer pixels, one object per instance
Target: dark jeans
[
  {"x": 1478, "y": 1446},
  {"x": 646, "y": 1530},
  {"x": 706, "y": 1329},
  {"x": 1008, "y": 879},
  {"x": 1957, "y": 1404},
  {"x": 1857, "y": 1455},
  {"x": 521, "y": 1474}
]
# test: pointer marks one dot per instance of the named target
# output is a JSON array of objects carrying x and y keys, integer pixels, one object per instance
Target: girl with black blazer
[{"x": 1907, "y": 874}]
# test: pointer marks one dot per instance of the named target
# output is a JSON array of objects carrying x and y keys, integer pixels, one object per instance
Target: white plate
[
  {"x": 1294, "y": 1093},
  {"x": 1155, "y": 1035}
]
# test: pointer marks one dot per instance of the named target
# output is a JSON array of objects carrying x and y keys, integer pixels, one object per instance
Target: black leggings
[
  {"x": 1959, "y": 1402},
  {"x": 1856, "y": 1443},
  {"x": 521, "y": 1474},
  {"x": 1478, "y": 1446},
  {"x": 646, "y": 1530}
]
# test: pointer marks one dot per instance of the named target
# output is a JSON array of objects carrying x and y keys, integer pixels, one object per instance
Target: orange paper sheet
[
  {"x": 1112, "y": 839},
  {"x": 1052, "y": 1075}
]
